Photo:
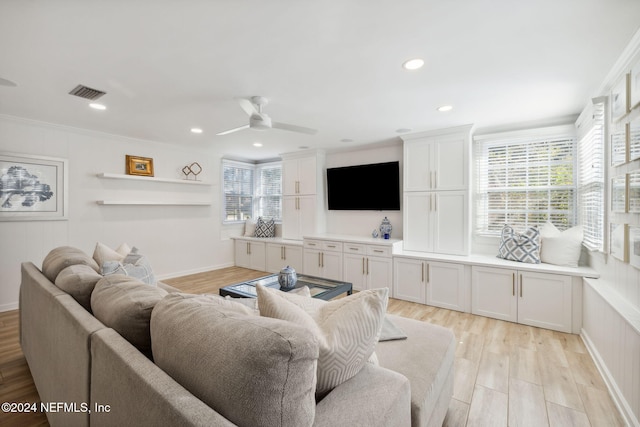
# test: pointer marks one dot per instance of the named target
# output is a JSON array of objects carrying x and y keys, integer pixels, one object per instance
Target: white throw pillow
[
  {"x": 250, "y": 228},
  {"x": 104, "y": 253},
  {"x": 561, "y": 247},
  {"x": 347, "y": 329}
]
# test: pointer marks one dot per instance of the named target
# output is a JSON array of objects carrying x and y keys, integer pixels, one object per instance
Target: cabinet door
[
  {"x": 292, "y": 256},
  {"x": 307, "y": 169},
  {"x": 544, "y": 300},
  {"x": 307, "y": 218},
  {"x": 417, "y": 166},
  {"x": 493, "y": 293},
  {"x": 289, "y": 177},
  {"x": 291, "y": 218},
  {"x": 379, "y": 273},
  {"x": 354, "y": 271},
  {"x": 446, "y": 285},
  {"x": 242, "y": 258},
  {"x": 311, "y": 262},
  {"x": 417, "y": 233},
  {"x": 449, "y": 164},
  {"x": 409, "y": 280},
  {"x": 257, "y": 256},
  {"x": 331, "y": 265},
  {"x": 274, "y": 257},
  {"x": 450, "y": 222}
]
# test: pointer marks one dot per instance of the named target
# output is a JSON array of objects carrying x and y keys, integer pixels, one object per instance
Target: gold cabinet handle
[
  {"x": 422, "y": 273},
  {"x": 428, "y": 274},
  {"x": 363, "y": 266},
  {"x": 513, "y": 284},
  {"x": 521, "y": 286},
  {"x": 367, "y": 266}
]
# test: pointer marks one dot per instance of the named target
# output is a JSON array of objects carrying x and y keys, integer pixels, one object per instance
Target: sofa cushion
[
  {"x": 125, "y": 304},
  {"x": 62, "y": 257},
  {"x": 561, "y": 247},
  {"x": 78, "y": 281},
  {"x": 522, "y": 247},
  {"x": 103, "y": 253},
  {"x": 134, "y": 264},
  {"x": 347, "y": 329},
  {"x": 253, "y": 370}
]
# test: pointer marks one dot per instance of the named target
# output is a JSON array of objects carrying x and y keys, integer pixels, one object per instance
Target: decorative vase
[
  {"x": 385, "y": 228},
  {"x": 375, "y": 234},
  {"x": 287, "y": 278}
]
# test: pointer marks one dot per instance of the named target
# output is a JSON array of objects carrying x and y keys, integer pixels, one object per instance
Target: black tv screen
[{"x": 373, "y": 187}]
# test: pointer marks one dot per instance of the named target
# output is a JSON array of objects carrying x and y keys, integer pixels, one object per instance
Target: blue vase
[
  {"x": 385, "y": 228},
  {"x": 287, "y": 278}
]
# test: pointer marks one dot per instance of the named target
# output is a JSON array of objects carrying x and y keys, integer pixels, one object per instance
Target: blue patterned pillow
[
  {"x": 265, "y": 228},
  {"x": 523, "y": 247},
  {"x": 134, "y": 265}
]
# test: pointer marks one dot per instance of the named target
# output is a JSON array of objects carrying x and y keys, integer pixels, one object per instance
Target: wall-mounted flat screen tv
[{"x": 372, "y": 187}]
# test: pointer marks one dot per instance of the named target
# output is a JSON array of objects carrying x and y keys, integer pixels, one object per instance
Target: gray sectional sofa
[{"x": 227, "y": 370}]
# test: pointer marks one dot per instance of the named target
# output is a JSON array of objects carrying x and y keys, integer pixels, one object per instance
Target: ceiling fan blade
[
  {"x": 233, "y": 130},
  {"x": 247, "y": 106},
  {"x": 294, "y": 128}
]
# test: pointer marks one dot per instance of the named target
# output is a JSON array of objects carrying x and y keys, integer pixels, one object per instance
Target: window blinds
[
  {"x": 525, "y": 179},
  {"x": 591, "y": 134},
  {"x": 238, "y": 191},
  {"x": 269, "y": 191}
]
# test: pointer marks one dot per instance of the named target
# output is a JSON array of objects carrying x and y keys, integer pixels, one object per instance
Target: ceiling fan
[{"x": 261, "y": 121}]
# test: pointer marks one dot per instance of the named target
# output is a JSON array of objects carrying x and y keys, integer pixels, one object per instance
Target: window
[
  {"x": 591, "y": 135},
  {"x": 525, "y": 178},
  {"x": 251, "y": 190}
]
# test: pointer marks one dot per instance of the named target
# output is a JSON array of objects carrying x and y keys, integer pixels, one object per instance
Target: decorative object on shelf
[
  {"x": 634, "y": 246},
  {"x": 633, "y": 191},
  {"x": 194, "y": 168},
  {"x": 618, "y": 237},
  {"x": 619, "y": 194},
  {"x": 375, "y": 233},
  {"x": 634, "y": 83},
  {"x": 619, "y": 145},
  {"x": 385, "y": 228},
  {"x": 287, "y": 277},
  {"x": 619, "y": 99},
  {"x": 32, "y": 188},
  {"x": 142, "y": 166}
]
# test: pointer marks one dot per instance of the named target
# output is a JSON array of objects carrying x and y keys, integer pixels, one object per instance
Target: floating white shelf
[
  {"x": 151, "y": 203},
  {"x": 150, "y": 178}
]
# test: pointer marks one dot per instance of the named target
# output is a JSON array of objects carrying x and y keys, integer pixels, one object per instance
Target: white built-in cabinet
[
  {"x": 531, "y": 298},
  {"x": 368, "y": 266},
  {"x": 323, "y": 258},
  {"x": 279, "y": 255},
  {"x": 440, "y": 284},
  {"x": 436, "y": 191},
  {"x": 302, "y": 194},
  {"x": 250, "y": 254}
]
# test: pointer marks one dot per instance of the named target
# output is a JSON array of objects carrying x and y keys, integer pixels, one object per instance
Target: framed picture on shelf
[
  {"x": 634, "y": 246},
  {"x": 619, "y": 194},
  {"x": 618, "y": 237},
  {"x": 619, "y": 145},
  {"x": 633, "y": 191},
  {"x": 633, "y": 132},
  {"x": 33, "y": 188},
  {"x": 142, "y": 166},
  {"x": 634, "y": 83},
  {"x": 619, "y": 100}
]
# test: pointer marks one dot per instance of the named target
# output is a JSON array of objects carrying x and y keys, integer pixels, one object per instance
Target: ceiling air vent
[{"x": 86, "y": 92}]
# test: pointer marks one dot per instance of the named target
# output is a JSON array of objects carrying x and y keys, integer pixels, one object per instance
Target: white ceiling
[{"x": 168, "y": 66}]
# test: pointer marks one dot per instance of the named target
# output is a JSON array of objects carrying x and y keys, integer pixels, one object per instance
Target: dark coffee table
[{"x": 324, "y": 289}]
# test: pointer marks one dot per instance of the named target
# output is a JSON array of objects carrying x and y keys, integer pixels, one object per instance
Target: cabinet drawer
[
  {"x": 313, "y": 244},
  {"x": 383, "y": 251},
  {"x": 332, "y": 246},
  {"x": 354, "y": 248}
]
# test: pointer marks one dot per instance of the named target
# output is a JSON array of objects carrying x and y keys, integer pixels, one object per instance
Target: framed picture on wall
[
  {"x": 634, "y": 246},
  {"x": 32, "y": 188},
  {"x": 619, "y": 145},
  {"x": 634, "y": 83},
  {"x": 619, "y": 100},
  {"x": 633, "y": 191},
  {"x": 633, "y": 132},
  {"x": 618, "y": 237},
  {"x": 619, "y": 194},
  {"x": 141, "y": 166}
]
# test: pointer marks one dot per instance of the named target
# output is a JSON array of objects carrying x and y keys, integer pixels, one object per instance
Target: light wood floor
[{"x": 506, "y": 374}]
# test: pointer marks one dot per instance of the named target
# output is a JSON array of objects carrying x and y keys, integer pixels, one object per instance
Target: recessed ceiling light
[
  {"x": 257, "y": 144},
  {"x": 403, "y": 130},
  {"x": 413, "y": 64},
  {"x": 346, "y": 140},
  {"x": 196, "y": 130},
  {"x": 97, "y": 106},
  {"x": 445, "y": 108}
]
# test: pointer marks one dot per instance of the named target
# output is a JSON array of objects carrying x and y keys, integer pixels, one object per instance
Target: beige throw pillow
[
  {"x": 104, "y": 253},
  {"x": 347, "y": 329}
]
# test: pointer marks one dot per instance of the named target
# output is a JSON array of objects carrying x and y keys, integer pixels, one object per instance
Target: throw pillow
[
  {"x": 134, "y": 265},
  {"x": 253, "y": 370},
  {"x": 79, "y": 281},
  {"x": 125, "y": 304},
  {"x": 265, "y": 228},
  {"x": 561, "y": 247},
  {"x": 250, "y": 228},
  {"x": 347, "y": 329},
  {"x": 103, "y": 253},
  {"x": 522, "y": 247},
  {"x": 62, "y": 257}
]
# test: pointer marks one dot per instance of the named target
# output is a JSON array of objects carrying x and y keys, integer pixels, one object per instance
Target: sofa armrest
[{"x": 374, "y": 397}]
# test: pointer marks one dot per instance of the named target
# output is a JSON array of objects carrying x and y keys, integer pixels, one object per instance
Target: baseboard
[
  {"x": 9, "y": 307},
  {"x": 614, "y": 391},
  {"x": 193, "y": 271}
]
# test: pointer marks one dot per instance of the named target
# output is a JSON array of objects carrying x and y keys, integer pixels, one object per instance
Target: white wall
[
  {"x": 362, "y": 223},
  {"x": 176, "y": 239}
]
